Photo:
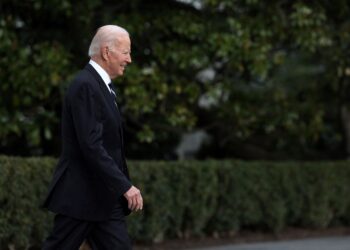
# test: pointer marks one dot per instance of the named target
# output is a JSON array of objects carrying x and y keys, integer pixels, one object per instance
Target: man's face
[{"x": 119, "y": 57}]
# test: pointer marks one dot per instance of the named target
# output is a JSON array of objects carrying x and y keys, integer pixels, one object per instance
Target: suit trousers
[{"x": 69, "y": 233}]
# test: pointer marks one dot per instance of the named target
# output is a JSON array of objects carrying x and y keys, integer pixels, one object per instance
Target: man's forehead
[{"x": 123, "y": 39}]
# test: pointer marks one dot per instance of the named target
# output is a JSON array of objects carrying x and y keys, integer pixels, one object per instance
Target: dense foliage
[
  {"x": 265, "y": 79},
  {"x": 187, "y": 199}
]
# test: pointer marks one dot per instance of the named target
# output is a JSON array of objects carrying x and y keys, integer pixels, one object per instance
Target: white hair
[{"x": 105, "y": 35}]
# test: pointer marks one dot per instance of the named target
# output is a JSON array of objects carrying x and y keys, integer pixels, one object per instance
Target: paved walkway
[{"x": 329, "y": 243}]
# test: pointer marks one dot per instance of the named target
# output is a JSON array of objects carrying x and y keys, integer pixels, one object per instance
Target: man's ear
[{"x": 104, "y": 53}]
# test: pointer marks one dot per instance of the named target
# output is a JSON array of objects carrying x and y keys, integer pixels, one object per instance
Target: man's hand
[{"x": 134, "y": 198}]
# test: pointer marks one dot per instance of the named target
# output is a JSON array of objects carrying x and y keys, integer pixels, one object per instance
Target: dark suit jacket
[{"x": 91, "y": 176}]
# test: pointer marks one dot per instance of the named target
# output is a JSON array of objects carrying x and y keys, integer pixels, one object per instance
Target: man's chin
[{"x": 118, "y": 74}]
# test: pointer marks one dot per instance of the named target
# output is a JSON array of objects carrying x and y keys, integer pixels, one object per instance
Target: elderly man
[{"x": 91, "y": 192}]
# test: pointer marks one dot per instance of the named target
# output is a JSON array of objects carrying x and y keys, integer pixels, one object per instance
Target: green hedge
[{"x": 190, "y": 198}]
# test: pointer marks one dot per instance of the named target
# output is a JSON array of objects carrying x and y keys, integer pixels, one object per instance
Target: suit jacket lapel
[
  {"x": 110, "y": 99},
  {"x": 104, "y": 89}
]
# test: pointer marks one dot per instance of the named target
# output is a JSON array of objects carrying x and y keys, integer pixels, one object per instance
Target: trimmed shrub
[
  {"x": 190, "y": 198},
  {"x": 23, "y": 185}
]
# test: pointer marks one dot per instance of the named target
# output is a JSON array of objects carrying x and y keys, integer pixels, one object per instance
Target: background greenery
[
  {"x": 190, "y": 199},
  {"x": 274, "y": 74},
  {"x": 267, "y": 80}
]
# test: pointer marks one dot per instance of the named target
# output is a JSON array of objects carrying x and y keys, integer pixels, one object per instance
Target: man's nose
[{"x": 128, "y": 59}]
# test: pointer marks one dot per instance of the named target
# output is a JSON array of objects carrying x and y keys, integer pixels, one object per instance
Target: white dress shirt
[{"x": 105, "y": 77}]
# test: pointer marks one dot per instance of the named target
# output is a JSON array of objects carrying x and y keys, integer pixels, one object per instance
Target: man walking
[{"x": 91, "y": 192}]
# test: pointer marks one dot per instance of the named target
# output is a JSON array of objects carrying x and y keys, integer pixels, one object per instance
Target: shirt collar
[{"x": 105, "y": 77}]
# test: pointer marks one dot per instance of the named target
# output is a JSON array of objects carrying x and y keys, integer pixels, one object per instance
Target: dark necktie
[{"x": 111, "y": 86}]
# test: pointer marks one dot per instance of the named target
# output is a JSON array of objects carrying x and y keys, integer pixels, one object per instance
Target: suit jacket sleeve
[{"x": 89, "y": 133}]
